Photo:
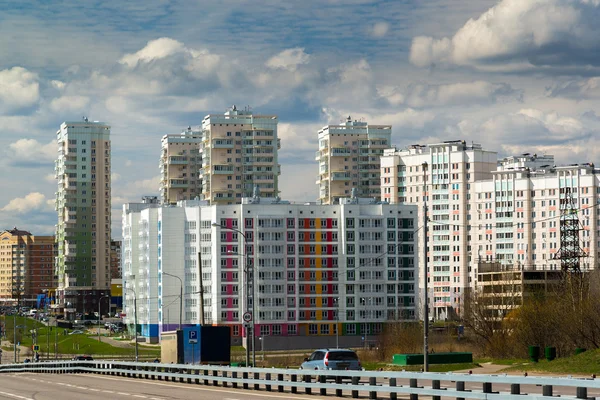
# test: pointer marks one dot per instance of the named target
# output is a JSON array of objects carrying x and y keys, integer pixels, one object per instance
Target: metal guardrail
[{"x": 294, "y": 380}]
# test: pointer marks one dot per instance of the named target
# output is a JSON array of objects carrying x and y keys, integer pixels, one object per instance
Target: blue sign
[{"x": 192, "y": 335}]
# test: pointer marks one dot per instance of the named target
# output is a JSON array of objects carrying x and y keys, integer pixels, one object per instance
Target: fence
[{"x": 373, "y": 384}]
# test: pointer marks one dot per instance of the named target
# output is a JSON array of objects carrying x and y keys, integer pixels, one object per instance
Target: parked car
[
  {"x": 76, "y": 332},
  {"x": 332, "y": 359}
]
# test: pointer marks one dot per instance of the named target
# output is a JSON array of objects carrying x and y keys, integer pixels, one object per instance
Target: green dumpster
[
  {"x": 579, "y": 350},
  {"x": 534, "y": 353},
  {"x": 550, "y": 353}
]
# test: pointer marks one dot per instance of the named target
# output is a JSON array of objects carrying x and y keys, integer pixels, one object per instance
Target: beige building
[
  {"x": 83, "y": 204},
  {"x": 349, "y": 156},
  {"x": 180, "y": 164},
  {"x": 239, "y": 151},
  {"x": 26, "y": 266},
  {"x": 452, "y": 169}
]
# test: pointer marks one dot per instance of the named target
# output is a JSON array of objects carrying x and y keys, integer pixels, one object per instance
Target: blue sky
[{"x": 515, "y": 75}]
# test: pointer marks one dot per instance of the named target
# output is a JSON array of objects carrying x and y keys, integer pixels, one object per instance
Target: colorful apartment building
[
  {"x": 180, "y": 164},
  {"x": 26, "y": 267},
  {"x": 318, "y": 270},
  {"x": 239, "y": 151},
  {"x": 348, "y": 158}
]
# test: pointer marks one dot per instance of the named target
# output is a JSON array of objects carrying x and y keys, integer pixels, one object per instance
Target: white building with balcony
[{"x": 318, "y": 270}]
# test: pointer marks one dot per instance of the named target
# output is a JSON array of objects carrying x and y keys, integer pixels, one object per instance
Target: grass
[
  {"x": 374, "y": 366},
  {"x": 497, "y": 361},
  {"x": 584, "y": 363},
  {"x": 67, "y": 344}
]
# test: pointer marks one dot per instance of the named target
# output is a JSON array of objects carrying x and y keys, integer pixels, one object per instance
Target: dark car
[
  {"x": 332, "y": 359},
  {"x": 83, "y": 358}
]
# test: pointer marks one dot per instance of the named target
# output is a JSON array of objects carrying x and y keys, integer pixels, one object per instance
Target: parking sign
[{"x": 193, "y": 337}]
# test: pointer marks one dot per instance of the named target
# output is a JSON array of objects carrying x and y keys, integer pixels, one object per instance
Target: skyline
[{"x": 515, "y": 76}]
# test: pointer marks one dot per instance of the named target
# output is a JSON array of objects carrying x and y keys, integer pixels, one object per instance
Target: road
[{"x": 25, "y": 386}]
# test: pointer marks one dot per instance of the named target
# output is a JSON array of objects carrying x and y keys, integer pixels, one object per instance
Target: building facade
[
  {"x": 516, "y": 215},
  {"x": 180, "y": 164},
  {"x": 26, "y": 267},
  {"x": 349, "y": 157},
  {"x": 83, "y": 203},
  {"x": 317, "y": 269},
  {"x": 239, "y": 151},
  {"x": 447, "y": 184},
  {"x": 115, "y": 260}
]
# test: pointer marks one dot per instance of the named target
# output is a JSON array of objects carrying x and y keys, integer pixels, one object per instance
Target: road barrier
[{"x": 338, "y": 383}]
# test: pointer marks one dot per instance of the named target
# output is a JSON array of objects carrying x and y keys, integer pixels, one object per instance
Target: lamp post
[
  {"x": 106, "y": 296},
  {"x": 180, "y": 295},
  {"x": 135, "y": 320},
  {"x": 249, "y": 295},
  {"x": 426, "y": 297},
  {"x": 337, "y": 322}
]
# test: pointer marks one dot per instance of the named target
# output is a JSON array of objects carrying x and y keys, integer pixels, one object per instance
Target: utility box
[
  {"x": 197, "y": 345},
  {"x": 434, "y": 358}
]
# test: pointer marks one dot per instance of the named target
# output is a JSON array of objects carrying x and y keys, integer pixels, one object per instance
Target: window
[{"x": 312, "y": 329}]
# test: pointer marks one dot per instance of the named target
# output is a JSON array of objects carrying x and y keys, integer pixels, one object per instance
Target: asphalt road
[{"x": 25, "y": 386}]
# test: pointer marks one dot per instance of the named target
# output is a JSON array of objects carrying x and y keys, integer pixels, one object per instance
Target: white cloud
[
  {"x": 380, "y": 29},
  {"x": 25, "y": 151},
  {"x": 32, "y": 201},
  {"x": 19, "y": 88},
  {"x": 288, "y": 59},
  {"x": 517, "y": 34},
  {"x": 453, "y": 94},
  {"x": 154, "y": 49},
  {"x": 66, "y": 104},
  {"x": 577, "y": 89}
]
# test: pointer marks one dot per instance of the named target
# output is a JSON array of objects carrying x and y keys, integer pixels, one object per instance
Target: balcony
[
  {"x": 341, "y": 176},
  {"x": 222, "y": 144},
  {"x": 178, "y": 160},
  {"x": 224, "y": 197},
  {"x": 178, "y": 183},
  {"x": 340, "y": 151},
  {"x": 223, "y": 169}
]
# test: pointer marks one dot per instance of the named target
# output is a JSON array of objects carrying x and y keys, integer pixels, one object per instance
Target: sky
[{"x": 513, "y": 75}]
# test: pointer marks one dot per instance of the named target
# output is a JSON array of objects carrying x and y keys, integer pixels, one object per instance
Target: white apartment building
[
  {"x": 317, "y": 269},
  {"x": 239, "y": 152},
  {"x": 83, "y": 204},
  {"x": 180, "y": 164},
  {"x": 516, "y": 214},
  {"x": 448, "y": 186},
  {"x": 348, "y": 158}
]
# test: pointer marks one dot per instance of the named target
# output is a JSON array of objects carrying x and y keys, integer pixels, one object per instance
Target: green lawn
[
  {"x": 373, "y": 366},
  {"x": 585, "y": 363},
  {"x": 67, "y": 344}
]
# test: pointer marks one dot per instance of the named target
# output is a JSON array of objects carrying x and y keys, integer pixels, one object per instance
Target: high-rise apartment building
[
  {"x": 516, "y": 214},
  {"x": 115, "y": 259},
  {"x": 317, "y": 269},
  {"x": 348, "y": 158},
  {"x": 83, "y": 203},
  {"x": 26, "y": 266},
  {"x": 447, "y": 184},
  {"x": 180, "y": 164},
  {"x": 239, "y": 151}
]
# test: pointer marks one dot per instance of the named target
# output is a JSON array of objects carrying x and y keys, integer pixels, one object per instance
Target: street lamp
[
  {"x": 426, "y": 297},
  {"x": 249, "y": 295},
  {"x": 135, "y": 320},
  {"x": 337, "y": 322},
  {"x": 180, "y": 295},
  {"x": 107, "y": 296}
]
